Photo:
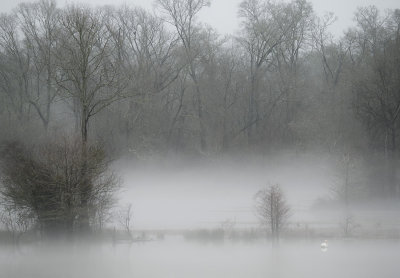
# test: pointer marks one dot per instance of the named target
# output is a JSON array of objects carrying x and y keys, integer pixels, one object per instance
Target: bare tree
[
  {"x": 231, "y": 85},
  {"x": 332, "y": 54},
  {"x": 47, "y": 181},
  {"x": 85, "y": 69},
  {"x": 15, "y": 65},
  {"x": 272, "y": 209},
  {"x": 182, "y": 14},
  {"x": 349, "y": 225},
  {"x": 265, "y": 26},
  {"x": 124, "y": 218},
  {"x": 145, "y": 51},
  {"x": 87, "y": 73},
  {"x": 39, "y": 24},
  {"x": 288, "y": 60},
  {"x": 376, "y": 84}
]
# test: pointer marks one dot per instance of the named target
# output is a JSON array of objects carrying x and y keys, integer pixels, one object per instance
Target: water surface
[{"x": 175, "y": 257}]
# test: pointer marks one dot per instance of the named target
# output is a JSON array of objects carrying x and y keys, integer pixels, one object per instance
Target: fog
[
  {"x": 222, "y": 14},
  {"x": 198, "y": 138},
  {"x": 175, "y": 193},
  {"x": 179, "y": 193}
]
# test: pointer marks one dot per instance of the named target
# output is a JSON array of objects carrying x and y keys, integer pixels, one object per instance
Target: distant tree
[
  {"x": 85, "y": 70},
  {"x": 145, "y": 51},
  {"x": 376, "y": 84},
  {"x": 39, "y": 24},
  {"x": 348, "y": 225},
  {"x": 124, "y": 217},
  {"x": 273, "y": 35},
  {"x": 15, "y": 66},
  {"x": 272, "y": 209},
  {"x": 332, "y": 54},
  {"x": 181, "y": 14},
  {"x": 231, "y": 84}
]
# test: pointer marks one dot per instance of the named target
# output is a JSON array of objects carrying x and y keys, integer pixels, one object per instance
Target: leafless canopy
[
  {"x": 272, "y": 209},
  {"x": 47, "y": 181}
]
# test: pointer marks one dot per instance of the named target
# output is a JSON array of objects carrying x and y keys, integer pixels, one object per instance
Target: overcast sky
[{"x": 222, "y": 14}]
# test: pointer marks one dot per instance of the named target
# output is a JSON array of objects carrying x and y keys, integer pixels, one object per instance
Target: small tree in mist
[
  {"x": 46, "y": 181},
  {"x": 272, "y": 209},
  {"x": 348, "y": 225},
  {"x": 124, "y": 217}
]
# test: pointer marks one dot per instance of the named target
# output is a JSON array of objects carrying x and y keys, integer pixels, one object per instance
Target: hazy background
[
  {"x": 222, "y": 14},
  {"x": 133, "y": 148}
]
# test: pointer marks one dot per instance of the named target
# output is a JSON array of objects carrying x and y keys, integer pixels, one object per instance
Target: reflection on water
[{"x": 174, "y": 257}]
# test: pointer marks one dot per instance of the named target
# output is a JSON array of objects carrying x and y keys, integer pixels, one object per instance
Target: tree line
[{"x": 151, "y": 83}]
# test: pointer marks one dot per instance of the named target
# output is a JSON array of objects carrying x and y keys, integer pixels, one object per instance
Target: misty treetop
[
  {"x": 272, "y": 209},
  {"x": 157, "y": 82}
]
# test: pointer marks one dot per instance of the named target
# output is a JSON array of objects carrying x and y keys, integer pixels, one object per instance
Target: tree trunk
[{"x": 85, "y": 186}]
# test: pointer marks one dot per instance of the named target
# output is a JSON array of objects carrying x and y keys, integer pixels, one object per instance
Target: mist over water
[
  {"x": 174, "y": 257},
  {"x": 174, "y": 196},
  {"x": 138, "y": 143},
  {"x": 182, "y": 193},
  {"x": 177, "y": 195}
]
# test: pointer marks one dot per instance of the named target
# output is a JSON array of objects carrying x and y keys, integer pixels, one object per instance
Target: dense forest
[{"x": 81, "y": 85}]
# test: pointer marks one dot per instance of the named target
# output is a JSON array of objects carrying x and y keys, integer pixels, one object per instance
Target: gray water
[{"x": 175, "y": 257}]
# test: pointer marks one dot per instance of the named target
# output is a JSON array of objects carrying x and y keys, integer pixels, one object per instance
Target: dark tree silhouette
[{"x": 272, "y": 209}]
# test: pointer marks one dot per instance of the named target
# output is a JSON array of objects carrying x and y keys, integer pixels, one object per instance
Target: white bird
[{"x": 324, "y": 245}]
